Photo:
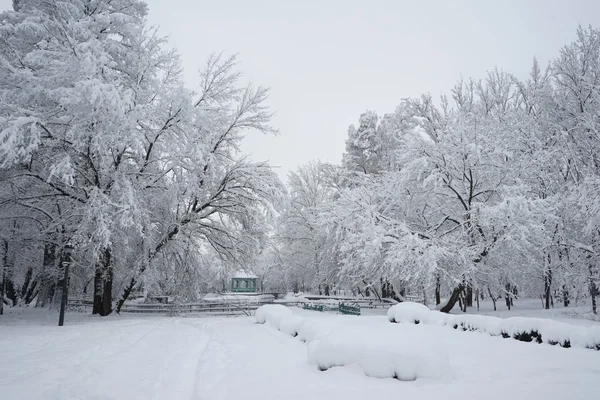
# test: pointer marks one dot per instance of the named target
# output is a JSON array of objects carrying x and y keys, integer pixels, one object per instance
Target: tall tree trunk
[
  {"x": 565, "y": 296},
  {"x": 98, "y": 290},
  {"x": 548, "y": 284},
  {"x": 3, "y": 275},
  {"x": 507, "y": 295},
  {"x": 438, "y": 286},
  {"x": 47, "y": 280},
  {"x": 469, "y": 296},
  {"x": 107, "y": 292},
  {"x": 594, "y": 290},
  {"x": 132, "y": 284},
  {"x": 29, "y": 289},
  {"x": 453, "y": 299},
  {"x": 103, "y": 282},
  {"x": 493, "y": 298}
]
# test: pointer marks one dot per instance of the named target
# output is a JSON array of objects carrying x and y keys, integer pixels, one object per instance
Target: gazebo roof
[{"x": 244, "y": 275}]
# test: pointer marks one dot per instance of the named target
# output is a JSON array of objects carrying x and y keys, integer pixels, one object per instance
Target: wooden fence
[
  {"x": 213, "y": 308},
  {"x": 225, "y": 307}
]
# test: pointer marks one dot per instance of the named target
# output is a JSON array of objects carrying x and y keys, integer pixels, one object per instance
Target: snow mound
[
  {"x": 387, "y": 352},
  {"x": 291, "y": 324},
  {"x": 314, "y": 329},
  {"x": 408, "y": 312},
  {"x": 272, "y": 313},
  {"x": 477, "y": 323},
  {"x": 524, "y": 329}
]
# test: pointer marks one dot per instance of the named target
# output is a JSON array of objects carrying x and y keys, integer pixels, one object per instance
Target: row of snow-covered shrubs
[
  {"x": 537, "y": 330},
  {"x": 381, "y": 350}
]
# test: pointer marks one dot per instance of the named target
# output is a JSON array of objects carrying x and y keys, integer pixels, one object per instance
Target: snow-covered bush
[
  {"x": 385, "y": 352},
  {"x": 316, "y": 328},
  {"x": 272, "y": 313},
  {"x": 585, "y": 337},
  {"x": 477, "y": 323},
  {"x": 524, "y": 329},
  {"x": 408, "y": 312},
  {"x": 291, "y": 324}
]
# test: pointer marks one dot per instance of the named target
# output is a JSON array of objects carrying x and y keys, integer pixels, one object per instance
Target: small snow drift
[
  {"x": 387, "y": 352},
  {"x": 272, "y": 313},
  {"x": 408, "y": 312}
]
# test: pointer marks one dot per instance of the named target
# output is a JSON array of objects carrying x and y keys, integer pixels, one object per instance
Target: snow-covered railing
[
  {"x": 537, "y": 330},
  {"x": 229, "y": 307}
]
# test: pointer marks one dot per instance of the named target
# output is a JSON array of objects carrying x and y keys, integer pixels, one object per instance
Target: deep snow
[{"x": 133, "y": 357}]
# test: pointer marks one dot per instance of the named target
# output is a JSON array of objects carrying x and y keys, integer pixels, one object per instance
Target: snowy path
[
  {"x": 228, "y": 358},
  {"x": 130, "y": 359}
]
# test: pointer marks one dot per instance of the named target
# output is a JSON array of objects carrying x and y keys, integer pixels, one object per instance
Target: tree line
[
  {"x": 102, "y": 147},
  {"x": 493, "y": 190}
]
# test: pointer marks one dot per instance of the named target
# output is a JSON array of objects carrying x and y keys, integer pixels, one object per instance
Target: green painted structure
[
  {"x": 243, "y": 282},
  {"x": 342, "y": 308}
]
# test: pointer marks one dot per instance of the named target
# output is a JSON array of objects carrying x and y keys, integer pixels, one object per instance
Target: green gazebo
[{"x": 244, "y": 282}]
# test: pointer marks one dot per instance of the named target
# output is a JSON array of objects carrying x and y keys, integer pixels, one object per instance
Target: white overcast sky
[{"x": 328, "y": 61}]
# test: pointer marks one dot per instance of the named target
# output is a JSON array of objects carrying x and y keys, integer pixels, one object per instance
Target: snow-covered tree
[{"x": 96, "y": 126}]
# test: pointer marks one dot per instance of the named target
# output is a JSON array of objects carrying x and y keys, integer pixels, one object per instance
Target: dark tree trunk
[
  {"x": 438, "y": 299},
  {"x": 2, "y": 292},
  {"x": 129, "y": 289},
  {"x": 107, "y": 292},
  {"x": 593, "y": 286},
  {"x": 507, "y": 296},
  {"x": 358, "y": 291},
  {"x": 47, "y": 280},
  {"x": 453, "y": 299},
  {"x": 98, "y": 289},
  {"x": 477, "y": 297},
  {"x": 566, "y": 301},
  {"x": 3, "y": 283},
  {"x": 8, "y": 290},
  {"x": 29, "y": 287},
  {"x": 326, "y": 289},
  {"x": 548, "y": 285},
  {"x": 103, "y": 282},
  {"x": 469, "y": 296},
  {"x": 493, "y": 298}
]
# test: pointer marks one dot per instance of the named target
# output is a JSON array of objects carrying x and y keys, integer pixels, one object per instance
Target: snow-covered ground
[{"x": 138, "y": 357}]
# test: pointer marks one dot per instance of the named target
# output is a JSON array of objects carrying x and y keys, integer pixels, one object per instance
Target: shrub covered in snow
[
  {"x": 409, "y": 312},
  {"x": 272, "y": 313},
  {"x": 316, "y": 328},
  {"x": 291, "y": 324},
  {"x": 477, "y": 323},
  {"x": 381, "y": 353},
  {"x": 537, "y": 330}
]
